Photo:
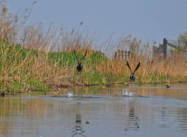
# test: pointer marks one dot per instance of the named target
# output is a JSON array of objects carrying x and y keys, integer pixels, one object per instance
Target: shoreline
[{"x": 66, "y": 87}]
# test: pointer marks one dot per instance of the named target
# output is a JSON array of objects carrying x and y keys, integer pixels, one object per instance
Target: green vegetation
[
  {"x": 23, "y": 69},
  {"x": 29, "y": 62}
]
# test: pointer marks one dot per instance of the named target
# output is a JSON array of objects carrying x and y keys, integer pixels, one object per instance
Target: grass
[
  {"x": 34, "y": 64},
  {"x": 24, "y": 69}
]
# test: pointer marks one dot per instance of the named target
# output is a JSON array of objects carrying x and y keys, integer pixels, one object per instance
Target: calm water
[{"x": 149, "y": 112}]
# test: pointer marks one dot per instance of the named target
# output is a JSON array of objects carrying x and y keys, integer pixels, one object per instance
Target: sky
[{"x": 148, "y": 20}]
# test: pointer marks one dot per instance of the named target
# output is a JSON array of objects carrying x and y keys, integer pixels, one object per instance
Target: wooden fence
[
  {"x": 161, "y": 51},
  {"x": 122, "y": 55}
]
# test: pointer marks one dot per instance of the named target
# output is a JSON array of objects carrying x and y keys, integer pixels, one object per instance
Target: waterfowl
[
  {"x": 167, "y": 86},
  {"x": 2, "y": 94},
  {"x": 132, "y": 75},
  {"x": 79, "y": 67}
]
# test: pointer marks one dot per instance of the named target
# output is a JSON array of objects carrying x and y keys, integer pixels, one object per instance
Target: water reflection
[
  {"x": 133, "y": 119},
  {"x": 163, "y": 115},
  {"x": 78, "y": 130},
  {"x": 110, "y": 116},
  {"x": 182, "y": 118}
]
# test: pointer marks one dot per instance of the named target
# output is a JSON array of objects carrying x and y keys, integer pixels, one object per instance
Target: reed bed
[{"x": 35, "y": 60}]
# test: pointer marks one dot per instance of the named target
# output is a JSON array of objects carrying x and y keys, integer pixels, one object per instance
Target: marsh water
[{"x": 134, "y": 111}]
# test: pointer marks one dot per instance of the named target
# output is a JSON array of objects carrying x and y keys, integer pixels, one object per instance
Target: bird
[
  {"x": 132, "y": 75},
  {"x": 79, "y": 67},
  {"x": 167, "y": 86},
  {"x": 2, "y": 94}
]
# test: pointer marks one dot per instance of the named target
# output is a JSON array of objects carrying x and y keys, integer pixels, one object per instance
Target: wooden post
[
  {"x": 165, "y": 43},
  {"x": 122, "y": 54},
  {"x": 115, "y": 55},
  {"x": 118, "y": 54},
  {"x": 125, "y": 55}
]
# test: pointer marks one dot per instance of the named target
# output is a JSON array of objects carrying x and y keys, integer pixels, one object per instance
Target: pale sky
[{"x": 149, "y": 20}]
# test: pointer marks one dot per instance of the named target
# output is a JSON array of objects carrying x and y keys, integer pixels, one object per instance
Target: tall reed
[{"x": 36, "y": 59}]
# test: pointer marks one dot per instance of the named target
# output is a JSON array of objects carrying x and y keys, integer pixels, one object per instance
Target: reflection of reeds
[
  {"x": 34, "y": 59},
  {"x": 14, "y": 108}
]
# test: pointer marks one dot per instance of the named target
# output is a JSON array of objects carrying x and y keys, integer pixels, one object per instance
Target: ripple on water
[{"x": 93, "y": 115}]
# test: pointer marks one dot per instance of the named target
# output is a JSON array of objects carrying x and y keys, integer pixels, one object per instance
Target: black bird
[
  {"x": 2, "y": 94},
  {"x": 79, "y": 67},
  {"x": 79, "y": 61},
  {"x": 167, "y": 86},
  {"x": 132, "y": 75}
]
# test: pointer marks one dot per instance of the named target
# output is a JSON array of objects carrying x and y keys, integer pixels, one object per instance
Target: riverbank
[
  {"x": 33, "y": 59},
  {"x": 27, "y": 70}
]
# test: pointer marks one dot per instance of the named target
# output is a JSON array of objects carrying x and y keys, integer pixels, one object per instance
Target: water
[{"x": 148, "y": 112}]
